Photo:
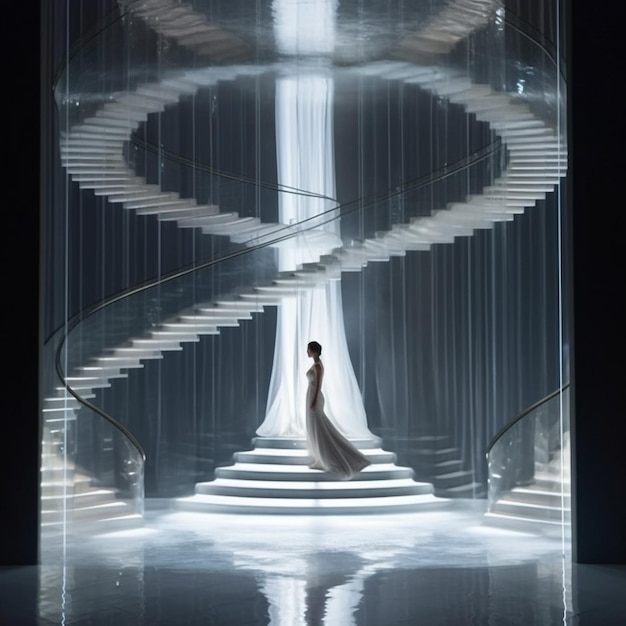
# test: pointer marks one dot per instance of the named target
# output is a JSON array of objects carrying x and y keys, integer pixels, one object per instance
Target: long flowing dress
[{"x": 329, "y": 450}]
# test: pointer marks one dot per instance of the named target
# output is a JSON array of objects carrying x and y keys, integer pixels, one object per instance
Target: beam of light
[{"x": 305, "y": 160}]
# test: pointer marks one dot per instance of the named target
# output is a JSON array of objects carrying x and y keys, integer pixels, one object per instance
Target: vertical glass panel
[
  {"x": 235, "y": 179},
  {"x": 529, "y": 477}
]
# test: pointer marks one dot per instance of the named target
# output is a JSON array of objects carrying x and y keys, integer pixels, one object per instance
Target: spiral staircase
[{"x": 273, "y": 476}]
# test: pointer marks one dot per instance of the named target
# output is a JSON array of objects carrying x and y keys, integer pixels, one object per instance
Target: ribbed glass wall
[{"x": 236, "y": 179}]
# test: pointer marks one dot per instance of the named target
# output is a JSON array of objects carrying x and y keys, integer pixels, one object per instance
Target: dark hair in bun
[{"x": 313, "y": 346}]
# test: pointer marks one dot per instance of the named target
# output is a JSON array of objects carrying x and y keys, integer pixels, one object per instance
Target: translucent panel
[
  {"x": 234, "y": 180},
  {"x": 529, "y": 468},
  {"x": 92, "y": 468}
]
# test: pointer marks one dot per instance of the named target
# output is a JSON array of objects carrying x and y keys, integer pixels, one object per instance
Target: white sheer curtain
[{"x": 305, "y": 160}]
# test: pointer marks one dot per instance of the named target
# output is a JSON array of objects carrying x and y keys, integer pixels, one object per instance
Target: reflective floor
[{"x": 437, "y": 567}]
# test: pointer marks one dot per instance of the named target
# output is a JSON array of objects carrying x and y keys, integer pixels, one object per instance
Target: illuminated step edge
[
  {"x": 515, "y": 508},
  {"x": 71, "y": 500},
  {"x": 309, "y": 506},
  {"x": 298, "y": 443},
  {"x": 78, "y": 524},
  {"x": 542, "y": 506},
  {"x": 274, "y": 478},
  {"x": 313, "y": 490},
  {"x": 95, "y": 509},
  {"x": 552, "y": 527},
  {"x": 277, "y": 472},
  {"x": 538, "y": 497},
  {"x": 300, "y": 457}
]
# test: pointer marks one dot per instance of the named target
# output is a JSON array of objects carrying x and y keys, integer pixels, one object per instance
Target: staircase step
[
  {"x": 466, "y": 490},
  {"x": 76, "y": 501},
  {"x": 164, "y": 345},
  {"x": 527, "y": 510},
  {"x": 277, "y": 456},
  {"x": 197, "y": 328},
  {"x": 89, "y": 526},
  {"x": 183, "y": 336},
  {"x": 273, "y": 472},
  {"x": 452, "y": 479},
  {"x": 313, "y": 506},
  {"x": 433, "y": 456},
  {"x": 312, "y": 489},
  {"x": 538, "y": 496},
  {"x": 447, "y": 467},
  {"x": 182, "y": 214},
  {"x": 300, "y": 444},
  {"x": 524, "y": 524}
]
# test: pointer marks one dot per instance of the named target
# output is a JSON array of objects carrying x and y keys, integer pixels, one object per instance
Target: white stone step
[
  {"x": 121, "y": 362},
  {"x": 312, "y": 489},
  {"x": 241, "y": 225},
  {"x": 162, "y": 345},
  {"x": 294, "y": 472},
  {"x": 199, "y": 329},
  {"x": 281, "y": 456},
  {"x": 99, "y": 130},
  {"x": 126, "y": 192},
  {"x": 309, "y": 506},
  {"x": 237, "y": 304},
  {"x": 122, "y": 113},
  {"x": 211, "y": 320},
  {"x": 527, "y": 510},
  {"x": 206, "y": 221},
  {"x": 152, "y": 206},
  {"x": 301, "y": 444},
  {"x": 180, "y": 214},
  {"x": 183, "y": 336},
  {"x": 219, "y": 313}
]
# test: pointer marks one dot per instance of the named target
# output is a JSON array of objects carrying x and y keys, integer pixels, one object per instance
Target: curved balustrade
[
  {"x": 529, "y": 467},
  {"x": 171, "y": 141},
  {"x": 92, "y": 468}
]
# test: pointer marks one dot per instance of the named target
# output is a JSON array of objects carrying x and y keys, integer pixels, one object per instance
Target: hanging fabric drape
[{"x": 305, "y": 161}]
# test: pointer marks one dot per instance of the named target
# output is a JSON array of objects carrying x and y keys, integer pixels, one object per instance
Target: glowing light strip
[
  {"x": 301, "y": 452},
  {"x": 526, "y": 520},
  {"x": 301, "y": 503},
  {"x": 286, "y": 468},
  {"x": 321, "y": 485}
]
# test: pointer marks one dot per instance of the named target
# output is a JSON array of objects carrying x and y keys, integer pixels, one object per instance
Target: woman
[{"x": 329, "y": 450}]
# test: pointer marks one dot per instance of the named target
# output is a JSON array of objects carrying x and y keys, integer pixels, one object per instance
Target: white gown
[{"x": 329, "y": 450}]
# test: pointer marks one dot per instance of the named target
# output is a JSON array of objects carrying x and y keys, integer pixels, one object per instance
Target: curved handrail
[
  {"x": 98, "y": 410},
  {"x": 410, "y": 185},
  {"x": 148, "y": 146},
  {"x": 523, "y": 414},
  {"x": 345, "y": 209},
  {"x": 527, "y": 30},
  {"x": 103, "y": 25}
]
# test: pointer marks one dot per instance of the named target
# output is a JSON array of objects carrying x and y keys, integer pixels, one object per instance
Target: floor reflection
[{"x": 435, "y": 567}]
